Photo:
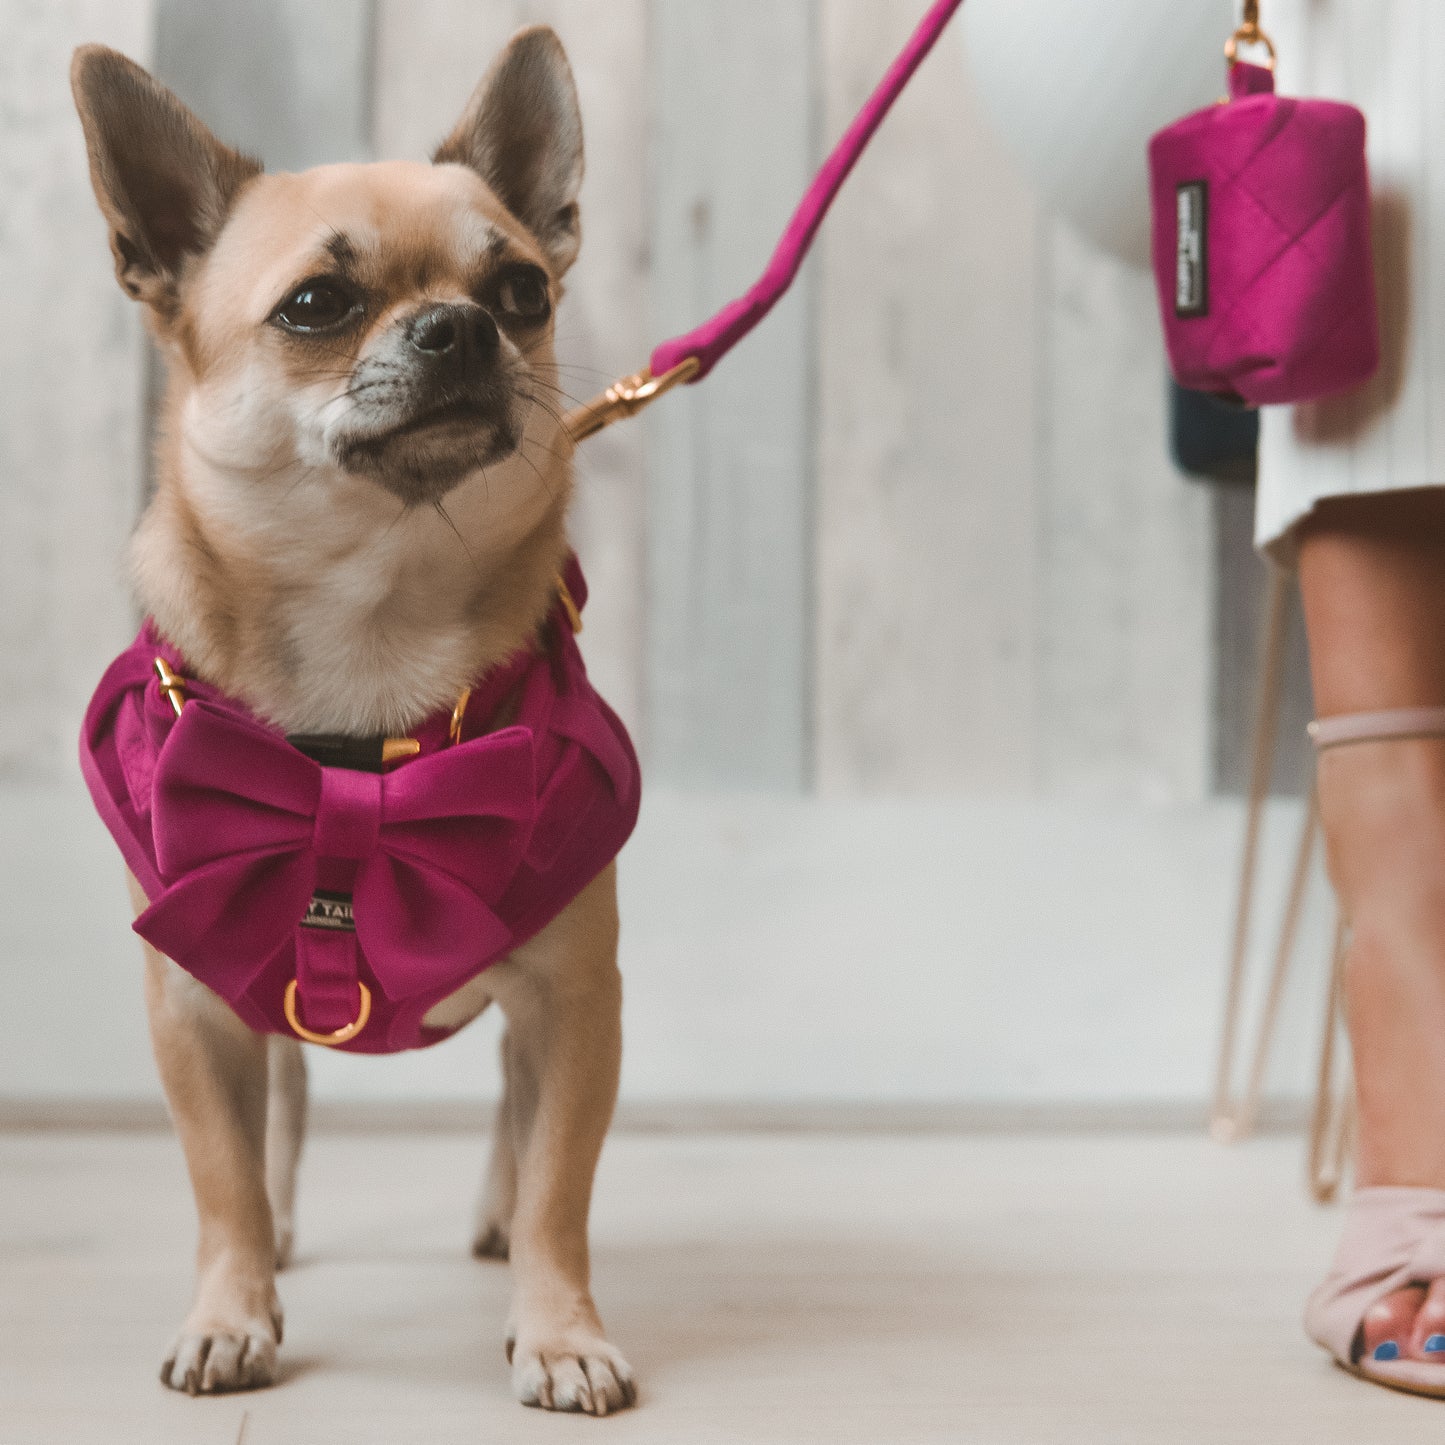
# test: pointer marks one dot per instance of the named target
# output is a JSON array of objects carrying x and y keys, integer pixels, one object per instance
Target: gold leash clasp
[
  {"x": 627, "y": 397},
  {"x": 1249, "y": 33}
]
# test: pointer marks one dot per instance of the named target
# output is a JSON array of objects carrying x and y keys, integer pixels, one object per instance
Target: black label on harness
[
  {"x": 1191, "y": 274},
  {"x": 330, "y": 910}
]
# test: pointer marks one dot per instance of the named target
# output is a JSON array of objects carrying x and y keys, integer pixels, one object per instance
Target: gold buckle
[
  {"x": 627, "y": 397},
  {"x": 173, "y": 685},
  {"x": 339, "y": 1036},
  {"x": 1249, "y": 33}
]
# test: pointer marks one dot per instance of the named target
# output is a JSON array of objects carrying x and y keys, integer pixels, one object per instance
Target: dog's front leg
[
  {"x": 213, "y": 1069},
  {"x": 562, "y": 996}
]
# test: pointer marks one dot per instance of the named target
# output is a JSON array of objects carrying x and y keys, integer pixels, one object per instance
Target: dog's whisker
[
  {"x": 561, "y": 392},
  {"x": 560, "y": 457},
  {"x": 546, "y": 482},
  {"x": 446, "y": 516}
]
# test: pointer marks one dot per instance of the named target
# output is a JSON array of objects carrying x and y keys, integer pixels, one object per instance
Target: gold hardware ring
[{"x": 340, "y": 1036}]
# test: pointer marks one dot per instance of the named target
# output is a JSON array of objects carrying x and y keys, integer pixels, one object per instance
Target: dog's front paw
[
  {"x": 582, "y": 1374},
  {"x": 215, "y": 1361}
]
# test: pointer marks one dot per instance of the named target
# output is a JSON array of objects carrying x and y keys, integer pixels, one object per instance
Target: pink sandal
[{"x": 1393, "y": 1237}]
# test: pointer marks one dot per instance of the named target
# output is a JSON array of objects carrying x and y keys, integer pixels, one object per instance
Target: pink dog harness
[{"x": 340, "y": 900}]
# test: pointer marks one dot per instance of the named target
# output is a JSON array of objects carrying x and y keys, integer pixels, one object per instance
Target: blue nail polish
[
  {"x": 1435, "y": 1345},
  {"x": 1388, "y": 1351}
]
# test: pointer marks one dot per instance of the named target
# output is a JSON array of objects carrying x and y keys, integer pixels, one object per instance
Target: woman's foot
[{"x": 1372, "y": 573}]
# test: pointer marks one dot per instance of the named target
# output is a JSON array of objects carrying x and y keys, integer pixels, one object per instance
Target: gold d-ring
[{"x": 340, "y": 1036}]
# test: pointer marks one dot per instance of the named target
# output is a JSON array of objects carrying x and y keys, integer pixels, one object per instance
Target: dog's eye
[
  {"x": 523, "y": 294},
  {"x": 315, "y": 306}
]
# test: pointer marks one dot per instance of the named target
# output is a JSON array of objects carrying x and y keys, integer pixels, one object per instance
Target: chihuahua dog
[{"x": 362, "y": 490}]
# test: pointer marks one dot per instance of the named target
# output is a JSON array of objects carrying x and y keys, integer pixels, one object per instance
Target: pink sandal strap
[
  {"x": 1392, "y": 1237},
  {"x": 1377, "y": 727}
]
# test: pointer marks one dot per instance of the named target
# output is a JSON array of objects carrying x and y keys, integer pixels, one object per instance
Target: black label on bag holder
[{"x": 1191, "y": 274}]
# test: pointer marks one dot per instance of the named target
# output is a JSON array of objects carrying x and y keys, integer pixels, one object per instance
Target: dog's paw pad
[
  {"x": 592, "y": 1381},
  {"x": 215, "y": 1364}
]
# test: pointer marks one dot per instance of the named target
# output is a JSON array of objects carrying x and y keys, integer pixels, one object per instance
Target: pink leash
[{"x": 690, "y": 357}]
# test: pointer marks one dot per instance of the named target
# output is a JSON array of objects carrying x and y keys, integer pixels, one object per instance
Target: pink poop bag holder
[{"x": 1262, "y": 249}]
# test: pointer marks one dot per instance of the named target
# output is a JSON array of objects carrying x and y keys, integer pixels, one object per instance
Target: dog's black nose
[{"x": 455, "y": 331}]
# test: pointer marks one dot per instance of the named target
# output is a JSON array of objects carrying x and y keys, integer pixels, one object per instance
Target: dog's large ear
[
  {"x": 164, "y": 182},
  {"x": 522, "y": 133}
]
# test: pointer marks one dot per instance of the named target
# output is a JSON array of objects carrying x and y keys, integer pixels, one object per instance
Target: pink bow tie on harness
[{"x": 250, "y": 831}]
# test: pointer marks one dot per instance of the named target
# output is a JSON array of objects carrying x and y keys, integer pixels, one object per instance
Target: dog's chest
[
  {"x": 351, "y": 666},
  {"x": 345, "y": 639}
]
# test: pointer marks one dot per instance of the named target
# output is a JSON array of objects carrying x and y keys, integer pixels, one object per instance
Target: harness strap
[{"x": 1378, "y": 727}]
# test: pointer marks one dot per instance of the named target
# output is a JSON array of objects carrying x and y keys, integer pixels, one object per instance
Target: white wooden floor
[{"x": 766, "y": 1288}]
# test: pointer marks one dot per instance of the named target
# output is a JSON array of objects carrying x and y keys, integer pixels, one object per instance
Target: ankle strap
[{"x": 1378, "y": 727}]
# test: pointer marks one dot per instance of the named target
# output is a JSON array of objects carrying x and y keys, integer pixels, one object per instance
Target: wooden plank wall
[
  {"x": 286, "y": 80},
  {"x": 920, "y": 537},
  {"x": 1014, "y": 587},
  {"x": 928, "y": 449},
  {"x": 730, "y": 462}
]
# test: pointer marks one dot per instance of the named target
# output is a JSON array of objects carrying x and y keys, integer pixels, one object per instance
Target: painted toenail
[
  {"x": 1388, "y": 1351},
  {"x": 1435, "y": 1345}
]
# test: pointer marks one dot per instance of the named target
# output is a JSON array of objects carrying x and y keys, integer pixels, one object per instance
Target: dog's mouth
[
  {"x": 424, "y": 455},
  {"x": 461, "y": 414},
  {"x": 447, "y": 419}
]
